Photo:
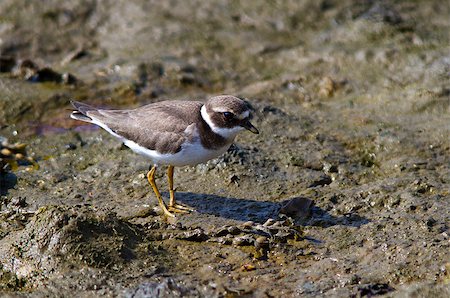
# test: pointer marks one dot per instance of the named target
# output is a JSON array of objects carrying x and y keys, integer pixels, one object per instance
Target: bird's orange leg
[
  {"x": 173, "y": 206},
  {"x": 151, "y": 180}
]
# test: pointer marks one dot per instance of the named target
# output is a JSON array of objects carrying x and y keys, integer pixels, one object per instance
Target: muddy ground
[{"x": 352, "y": 99}]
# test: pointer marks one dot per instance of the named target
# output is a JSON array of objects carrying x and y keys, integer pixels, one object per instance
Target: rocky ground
[{"x": 345, "y": 192}]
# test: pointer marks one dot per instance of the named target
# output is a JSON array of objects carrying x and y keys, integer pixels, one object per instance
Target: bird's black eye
[{"x": 228, "y": 115}]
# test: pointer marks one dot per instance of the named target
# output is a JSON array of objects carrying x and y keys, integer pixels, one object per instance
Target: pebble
[
  {"x": 19, "y": 202},
  {"x": 261, "y": 242},
  {"x": 196, "y": 235},
  {"x": 248, "y": 224},
  {"x": 233, "y": 230},
  {"x": 248, "y": 267},
  {"x": 298, "y": 207},
  {"x": 225, "y": 240},
  {"x": 243, "y": 240},
  {"x": 269, "y": 222},
  {"x": 70, "y": 146},
  {"x": 223, "y": 231},
  {"x": 327, "y": 87}
]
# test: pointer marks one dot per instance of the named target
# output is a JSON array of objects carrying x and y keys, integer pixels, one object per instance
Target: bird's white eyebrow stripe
[{"x": 241, "y": 116}]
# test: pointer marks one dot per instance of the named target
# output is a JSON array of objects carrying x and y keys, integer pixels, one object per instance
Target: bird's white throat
[{"x": 225, "y": 132}]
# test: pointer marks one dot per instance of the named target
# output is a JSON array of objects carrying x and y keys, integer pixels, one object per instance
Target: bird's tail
[{"x": 81, "y": 111}]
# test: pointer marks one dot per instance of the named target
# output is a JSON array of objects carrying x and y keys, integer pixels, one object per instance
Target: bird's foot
[
  {"x": 178, "y": 208},
  {"x": 167, "y": 212}
]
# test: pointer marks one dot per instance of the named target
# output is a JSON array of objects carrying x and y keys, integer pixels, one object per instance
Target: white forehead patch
[
  {"x": 243, "y": 115},
  {"x": 220, "y": 110},
  {"x": 227, "y": 133}
]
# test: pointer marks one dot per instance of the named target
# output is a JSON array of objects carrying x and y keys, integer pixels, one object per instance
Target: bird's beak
[{"x": 247, "y": 125}]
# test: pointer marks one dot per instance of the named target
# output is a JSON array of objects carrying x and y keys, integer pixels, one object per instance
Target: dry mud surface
[{"x": 352, "y": 99}]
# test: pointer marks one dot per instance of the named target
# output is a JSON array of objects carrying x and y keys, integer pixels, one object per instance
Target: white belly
[{"x": 189, "y": 155}]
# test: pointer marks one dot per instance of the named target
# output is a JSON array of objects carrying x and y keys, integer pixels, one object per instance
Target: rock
[
  {"x": 247, "y": 224},
  {"x": 197, "y": 235},
  {"x": 327, "y": 87},
  {"x": 166, "y": 288},
  {"x": 234, "y": 179},
  {"x": 269, "y": 222},
  {"x": 12, "y": 154},
  {"x": 222, "y": 231},
  {"x": 46, "y": 74},
  {"x": 20, "y": 202},
  {"x": 233, "y": 230},
  {"x": 297, "y": 207},
  {"x": 30, "y": 71},
  {"x": 248, "y": 267},
  {"x": 369, "y": 290},
  {"x": 26, "y": 69},
  {"x": 261, "y": 242},
  {"x": 321, "y": 181},
  {"x": 243, "y": 240},
  {"x": 225, "y": 240},
  {"x": 70, "y": 146},
  {"x": 69, "y": 79}
]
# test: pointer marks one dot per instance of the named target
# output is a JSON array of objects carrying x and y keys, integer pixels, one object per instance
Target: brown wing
[{"x": 159, "y": 126}]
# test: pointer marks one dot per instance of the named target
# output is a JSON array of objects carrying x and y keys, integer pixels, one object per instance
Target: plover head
[{"x": 227, "y": 115}]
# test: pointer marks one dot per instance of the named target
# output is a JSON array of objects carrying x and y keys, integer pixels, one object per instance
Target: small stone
[
  {"x": 223, "y": 231},
  {"x": 261, "y": 242},
  {"x": 321, "y": 181},
  {"x": 26, "y": 69},
  {"x": 369, "y": 290},
  {"x": 243, "y": 240},
  {"x": 233, "y": 230},
  {"x": 69, "y": 79},
  {"x": 248, "y": 267},
  {"x": 234, "y": 179},
  {"x": 297, "y": 207},
  {"x": 248, "y": 224},
  {"x": 224, "y": 240},
  {"x": 329, "y": 168},
  {"x": 430, "y": 222},
  {"x": 278, "y": 224},
  {"x": 70, "y": 146},
  {"x": 46, "y": 74},
  {"x": 196, "y": 235},
  {"x": 269, "y": 222},
  {"x": 355, "y": 279},
  {"x": 327, "y": 87},
  {"x": 19, "y": 202}
]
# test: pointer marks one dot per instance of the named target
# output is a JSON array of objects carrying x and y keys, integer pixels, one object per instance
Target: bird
[{"x": 174, "y": 133}]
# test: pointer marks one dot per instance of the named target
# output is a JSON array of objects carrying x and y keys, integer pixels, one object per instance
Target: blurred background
[{"x": 352, "y": 99}]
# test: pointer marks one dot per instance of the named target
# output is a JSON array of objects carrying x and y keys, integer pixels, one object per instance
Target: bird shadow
[{"x": 261, "y": 211}]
